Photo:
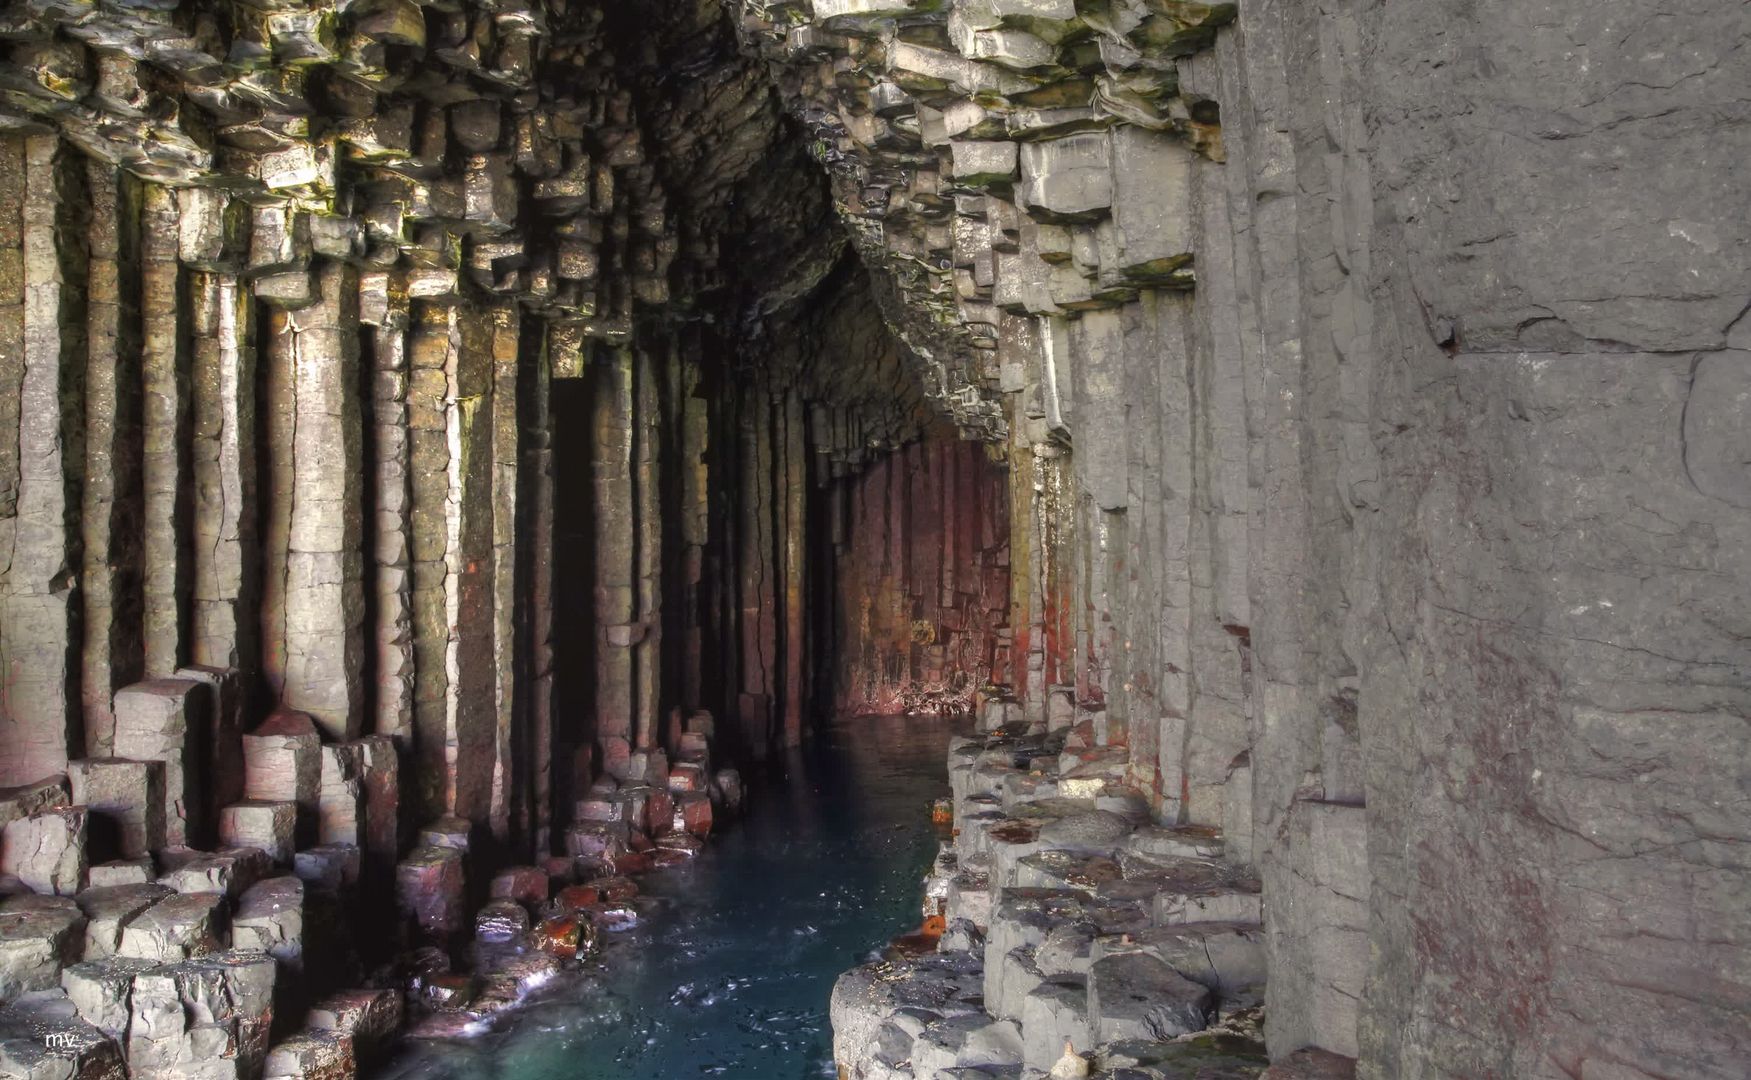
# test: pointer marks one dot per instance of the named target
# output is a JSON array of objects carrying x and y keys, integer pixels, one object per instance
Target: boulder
[
  {"x": 120, "y": 872},
  {"x": 1137, "y": 996},
  {"x": 270, "y": 917},
  {"x": 270, "y": 827},
  {"x": 201, "y": 1018},
  {"x": 312, "y": 1054},
  {"x": 100, "y": 991},
  {"x": 39, "y": 935},
  {"x": 166, "y": 720},
  {"x": 109, "y": 909},
  {"x": 282, "y": 762},
  {"x": 370, "y": 1018},
  {"x": 230, "y": 871},
  {"x": 46, "y": 850},
  {"x": 429, "y": 889},
  {"x": 332, "y": 869},
  {"x": 43, "y": 1037},
  {"x": 26, "y": 799},
  {"x": 179, "y": 927},
  {"x": 524, "y": 884},
  {"x": 126, "y": 802}
]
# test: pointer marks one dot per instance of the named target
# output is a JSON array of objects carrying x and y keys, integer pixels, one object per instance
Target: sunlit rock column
[
  {"x": 613, "y": 422},
  {"x": 43, "y": 253},
  {"x": 324, "y": 601},
  {"x": 384, "y": 306},
  {"x": 166, "y": 415},
  {"x": 433, "y": 349},
  {"x": 112, "y": 655}
]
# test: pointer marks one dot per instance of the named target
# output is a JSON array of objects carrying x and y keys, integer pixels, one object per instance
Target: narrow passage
[{"x": 730, "y": 971}]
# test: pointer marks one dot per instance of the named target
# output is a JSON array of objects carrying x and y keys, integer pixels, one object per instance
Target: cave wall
[
  {"x": 1371, "y": 382},
  {"x": 453, "y": 380},
  {"x": 1368, "y": 381},
  {"x": 920, "y": 570}
]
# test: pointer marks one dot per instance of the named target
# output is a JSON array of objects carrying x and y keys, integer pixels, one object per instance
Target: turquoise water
[{"x": 729, "y": 975}]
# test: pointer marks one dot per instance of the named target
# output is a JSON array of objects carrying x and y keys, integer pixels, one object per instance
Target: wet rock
[
  {"x": 511, "y": 983},
  {"x": 613, "y": 918},
  {"x": 616, "y": 890},
  {"x": 597, "y": 846},
  {"x": 448, "y": 992},
  {"x": 501, "y": 921},
  {"x": 693, "y": 813},
  {"x": 312, "y": 1055},
  {"x": 429, "y": 889},
  {"x": 371, "y": 1019},
  {"x": 46, "y": 850},
  {"x": 108, "y": 910},
  {"x": 566, "y": 936},
  {"x": 524, "y": 884}
]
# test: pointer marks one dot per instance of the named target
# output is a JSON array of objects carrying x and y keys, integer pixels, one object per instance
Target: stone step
[
  {"x": 39, "y": 935},
  {"x": 109, "y": 909},
  {"x": 282, "y": 762},
  {"x": 168, "y": 721},
  {"x": 268, "y": 826},
  {"x": 371, "y": 1019},
  {"x": 181, "y": 926},
  {"x": 125, "y": 799},
  {"x": 46, "y": 849},
  {"x": 43, "y": 1037}
]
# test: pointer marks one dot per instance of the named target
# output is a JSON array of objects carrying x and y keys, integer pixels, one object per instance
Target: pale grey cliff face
[
  {"x": 1372, "y": 381},
  {"x": 1412, "y": 539}
]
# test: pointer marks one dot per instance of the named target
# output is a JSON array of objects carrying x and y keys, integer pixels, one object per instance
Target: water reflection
[{"x": 730, "y": 972}]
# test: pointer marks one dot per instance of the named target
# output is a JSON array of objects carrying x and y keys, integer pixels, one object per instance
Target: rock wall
[
  {"x": 421, "y": 431},
  {"x": 920, "y": 565},
  {"x": 416, "y": 412},
  {"x": 1369, "y": 380}
]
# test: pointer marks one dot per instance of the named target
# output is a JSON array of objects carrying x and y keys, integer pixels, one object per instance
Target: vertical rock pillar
[
  {"x": 221, "y": 328},
  {"x": 324, "y": 601},
  {"x": 42, "y": 367},
  {"x": 616, "y": 550},
  {"x": 383, "y": 305},
  {"x": 112, "y": 655},
  {"x": 164, "y": 375}
]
